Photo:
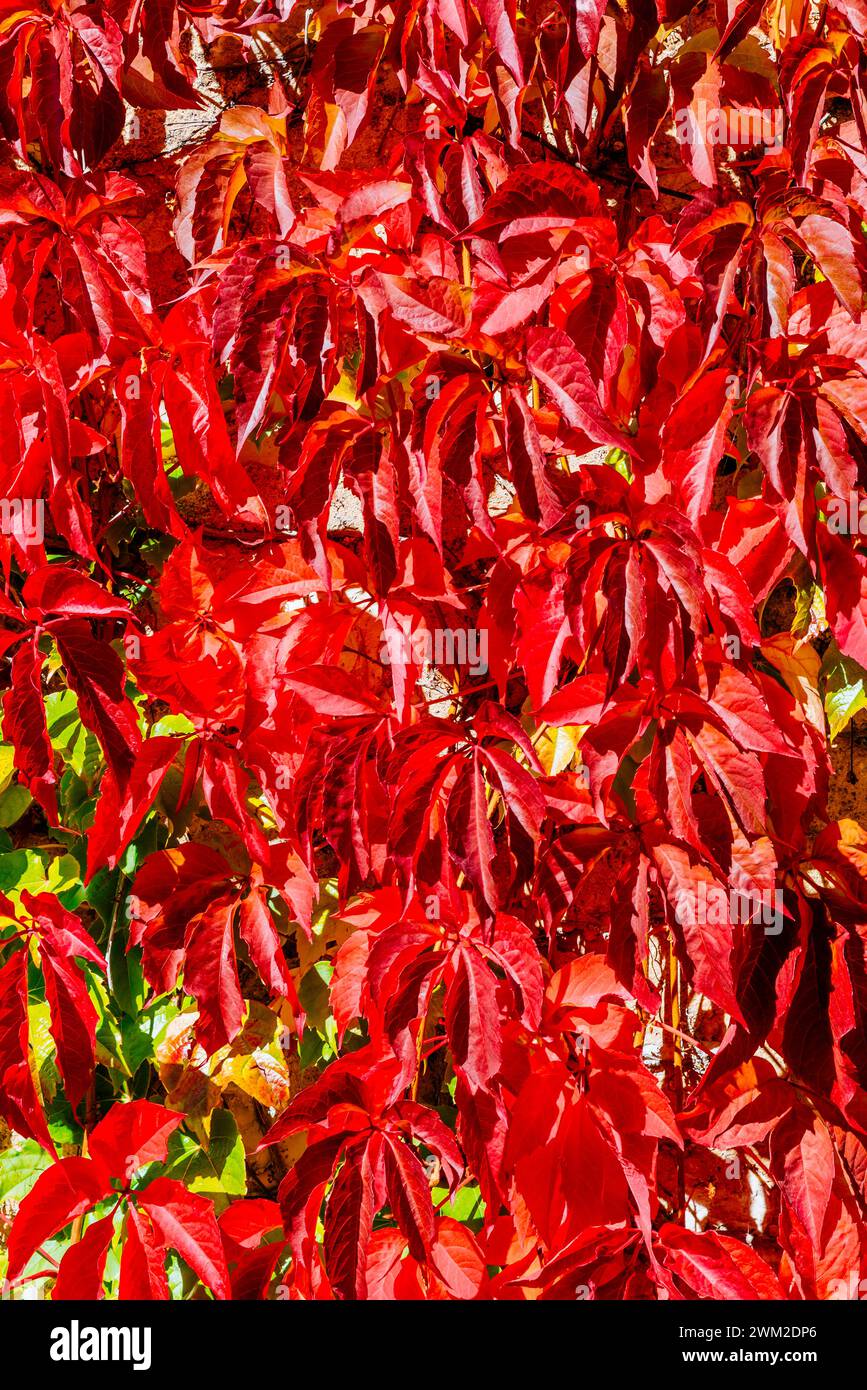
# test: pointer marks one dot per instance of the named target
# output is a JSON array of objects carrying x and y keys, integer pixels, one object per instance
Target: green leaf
[
  {"x": 38, "y": 872},
  {"x": 467, "y": 1204},
  {"x": 844, "y": 685},
  {"x": 809, "y": 610},
  {"x": 65, "y": 729},
  {"x": 102, "y": 895},
  {"x": 7, "y": 765},
  {"x": 79, "y": 803},
  {"x": 126, "y": 977},
  {"x": 218, "y": 1171},
  {"x": 126, "y": 1030},
  {"x": 13, "y": 803},
  {"x": 127, "y": 1040},
  {"x": 173, "y": 724},
  {"x": 19, "y": 869},
  {"x": 19, "y": 1169},
  {"x": 62, "y": 1124}
]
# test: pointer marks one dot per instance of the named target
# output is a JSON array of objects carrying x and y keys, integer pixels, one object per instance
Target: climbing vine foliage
[{"x": 433, "y": 606}]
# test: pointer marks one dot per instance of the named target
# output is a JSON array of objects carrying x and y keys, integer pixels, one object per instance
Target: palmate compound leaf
[
  {"x": 186, "y": 907},
  {"x": 712, "y": 1265},
  {"x": 160, "y": 1215},
  {"x": 359, "y": 1141},
  {"x": 394, "y": 965}
]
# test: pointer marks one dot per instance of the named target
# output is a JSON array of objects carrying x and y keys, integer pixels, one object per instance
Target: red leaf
[
  {"x": 64, "y": 1191},
  {"x": 349, "y": 1221},
  {"x": 80, "y": 1273},
  {"x": 717, "y": 1266},
  {"x": 24, "y": 726},
  {"x": 142, "y": 1262},
  {"x": 73, "y": 1024},
  {"x": 211, "y": 974},
  {"x": 473, "y": 1019},
  {"x": 96, "y": 674},
  {"x": 258, "y": 931},
  {"x": 119, "y": 813},
  {"x": 131, "y": 1135},
  {"x": 409, "y": 1197},
  {"x": 186, "y": 1222},
  {"x": 554, "y": 360}
]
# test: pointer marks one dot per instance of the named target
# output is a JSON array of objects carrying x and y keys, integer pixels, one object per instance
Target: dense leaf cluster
[{"x": 433, "y": 580}]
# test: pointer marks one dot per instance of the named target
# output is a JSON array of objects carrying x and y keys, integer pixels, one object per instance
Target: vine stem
[{"x": 684, "y": 1037}]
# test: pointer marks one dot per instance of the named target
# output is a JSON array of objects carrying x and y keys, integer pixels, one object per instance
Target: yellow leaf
[
  {"x": 558, "y": 747},
  {"x": 799, "y": 665}
]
